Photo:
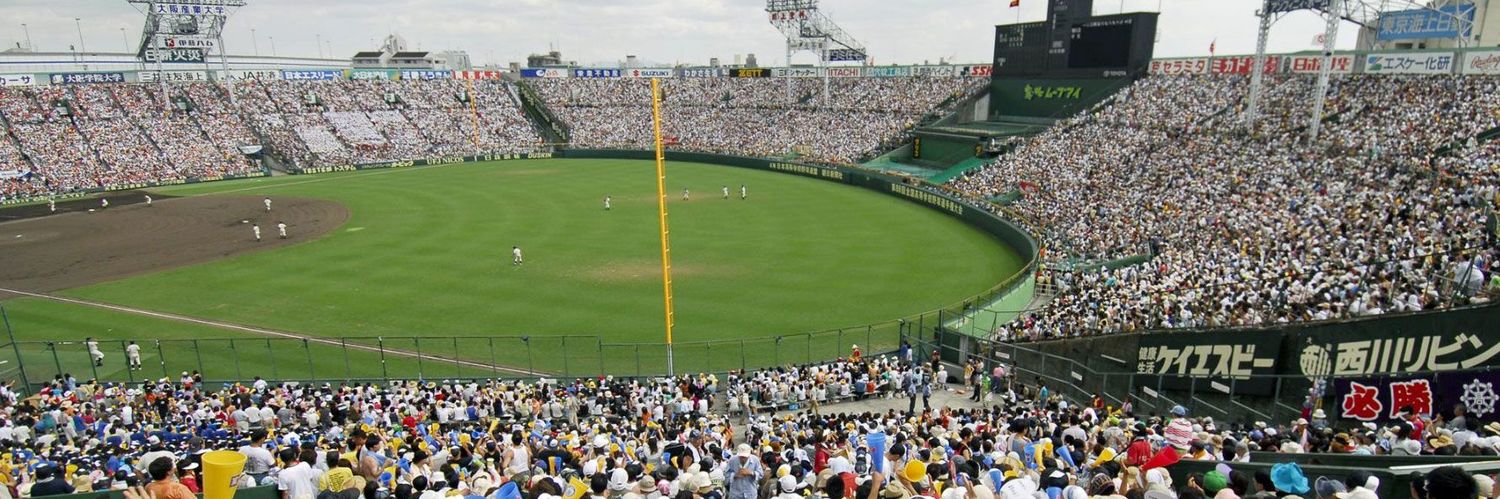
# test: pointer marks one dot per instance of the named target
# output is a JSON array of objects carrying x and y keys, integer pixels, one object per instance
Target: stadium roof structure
[{"x": 410, "y": 54}]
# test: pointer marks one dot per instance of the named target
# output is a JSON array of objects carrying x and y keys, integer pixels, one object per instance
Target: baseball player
[
  {"x": 133, "y": 355},
  {"x": 281, "y": 229},
  {"x": 52, "y": 205},
  {"x": 148, "y": 200},
  {"x": 103, "y": 203},
  {"x": 725, "y": 189},
  {"x": 256, "y": 228},
  {"x": 515, "y": 256},
  {"x": 94, "y": 352},
  {"x": 606, "y": 202},
  {"x": 685, "y": 194},
  {"x": 268, "y": 204},
  {"x": 743, "y": 192}
]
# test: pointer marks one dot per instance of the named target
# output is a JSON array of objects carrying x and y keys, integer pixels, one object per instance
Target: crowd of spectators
[
  {"x": 857, "y": 117},
  {"x": 678, "y": 437},
  {"x": 1389, "y": 211}
]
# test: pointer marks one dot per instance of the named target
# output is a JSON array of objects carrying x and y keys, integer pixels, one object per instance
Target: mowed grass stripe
[{"x": 430, "y": 256}]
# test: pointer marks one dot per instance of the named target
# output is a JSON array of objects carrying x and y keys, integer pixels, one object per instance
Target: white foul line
[{"x": 259, "y": 331}]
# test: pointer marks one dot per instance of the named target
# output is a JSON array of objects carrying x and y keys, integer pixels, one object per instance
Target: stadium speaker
[{"x": 220, "y": 468}]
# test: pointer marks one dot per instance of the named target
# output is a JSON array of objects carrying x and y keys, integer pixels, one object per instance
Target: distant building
[
  {"x": 393, "y": 54},
  {"x": 750, "y": 61},
  {"x": 713, "y": 62},
  {"x": 552, "y": 59}
]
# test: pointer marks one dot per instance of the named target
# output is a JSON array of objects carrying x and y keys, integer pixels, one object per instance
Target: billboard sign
[
  {"x": 253, "y": 74},
  {"x": 172, "y": 76},
  {"x": 934, "y": 71},
  {"x": 1482, "y": 62},
  {"x": 1449, "y": 21},
  {"x": 797, "y": 72},
  {"x": 1274, "y": 6},
  {"x": 426, "y": 74},
  {"x": 845, "y": 55},
  {"x": 596, "y": 73},
  {"x": 188, "y": 10},
  {"x": 369, "y": 74},
  {"x": 312, "y": 74},
  {"x": 544, "y": 73},
  {"x": 173, "y": 55},
  {"x": 750, "y": 73},
  {"x": 66, "y": 78},
  {"x": 845, "y": 72},
  {"x": 979, "y": 70},
  {"x": 17, "y": 80},
  {"x": 650, "y": 73},
  {"x": 1429, "y": 63},
  {"x": 1228, "y": 358},
  {"x": 487, "y": 74},
  {"x": 1242, "y": 65},
  {"x": 889, "y": 71},
  {"x": 1192, "y": 66},
  {"x": 1338, "y": 64},
  {"x": 184, "y": 42},
  {"x": 702, "y": 72}
]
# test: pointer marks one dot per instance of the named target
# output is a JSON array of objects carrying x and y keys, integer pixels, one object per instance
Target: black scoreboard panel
[
  {"x": 1111, "y": 46},
  {"x": 1021, "y": 49}
]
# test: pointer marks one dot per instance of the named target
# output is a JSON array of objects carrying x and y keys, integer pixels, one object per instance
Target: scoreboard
[{"x": 1112, "y": 46}]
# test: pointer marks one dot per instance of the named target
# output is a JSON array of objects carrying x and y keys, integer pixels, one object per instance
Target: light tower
[
  {"x": 808, "y": 29},
  {"x": 179, "y": 28}
]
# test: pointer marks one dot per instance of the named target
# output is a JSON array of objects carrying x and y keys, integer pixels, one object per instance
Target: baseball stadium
[{"x": 1101, "y": 261}]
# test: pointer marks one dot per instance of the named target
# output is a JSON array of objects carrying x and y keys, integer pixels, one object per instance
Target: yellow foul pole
[
  {"x": 474, "y": 112},
  {"x": 661, "y": 209}
]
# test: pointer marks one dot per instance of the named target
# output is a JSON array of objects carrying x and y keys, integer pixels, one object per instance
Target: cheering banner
[{"x": 1383, "y": 398}]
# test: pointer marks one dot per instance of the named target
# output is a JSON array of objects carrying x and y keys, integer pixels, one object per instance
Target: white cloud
[{"x": 688, "y": 31}]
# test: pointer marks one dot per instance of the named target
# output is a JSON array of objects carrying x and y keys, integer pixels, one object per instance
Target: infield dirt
[{"x": 43, "y": 252}]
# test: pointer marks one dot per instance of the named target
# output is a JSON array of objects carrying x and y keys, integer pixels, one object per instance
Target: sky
[{"x": 662, "y": 31}]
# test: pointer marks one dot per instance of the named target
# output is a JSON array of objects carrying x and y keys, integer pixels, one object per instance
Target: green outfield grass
[{"x": 426, "y": 252}]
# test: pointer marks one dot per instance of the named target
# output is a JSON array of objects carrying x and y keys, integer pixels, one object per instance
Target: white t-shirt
[{"x": 299, "y": 482}]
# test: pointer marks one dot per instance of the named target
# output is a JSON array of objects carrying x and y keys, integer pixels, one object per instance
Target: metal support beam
[
  {"x": 1257, "y": 70},
  {"x": 1320, "y": 92}
]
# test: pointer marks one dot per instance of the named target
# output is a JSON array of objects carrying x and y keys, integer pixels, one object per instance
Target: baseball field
[{"x": 408, "y": 272}]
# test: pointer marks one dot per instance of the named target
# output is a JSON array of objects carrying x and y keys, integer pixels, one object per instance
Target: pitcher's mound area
[{"x": 67, "y": 250}]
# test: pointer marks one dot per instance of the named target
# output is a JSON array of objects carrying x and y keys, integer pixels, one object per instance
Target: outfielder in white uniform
[
  {"x": 515, "y": 256},
  {"x": 281, "y": 229},
  {"x": 133, "y": 355},
  {"x": 606, "y": 203},
  {"x": 268, "y": 204},
  {"x": 726, "y": 191},
  {"x": 685, "y": 194},
  {"x": 94, "y": 352},
  {"x": 52, "y": 205},
  {"x": 743, "y": 192},
  {"x": 148, "y": 200},
  {"x": 103, "y": 203},
  {"x": 256, "y": 228}
]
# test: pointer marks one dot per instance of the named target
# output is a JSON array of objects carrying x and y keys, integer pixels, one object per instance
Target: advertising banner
[
  {"x": 184, "y": 42},
  {"x": 845, "y": 55},
  {"x": 596, "y": 73},
  {"x": 426, "y": 74},
  {"x": 311, "y": 74},
  {"x": 1219, "y": 359},
  {"x": 980, "y": 70},
  {"x": 1383, "y": 398},
  {"x": 750, "y": 73},
  {"x": 1192, "y": 66},
  {"x": 1242, "y": 64},
  {"x": 650, "y": 73},
  {"x": 544, "y": 73},
  {"x": 1482, "y": 62},
  {"x": 173, "y": 55},
  {"x": 1409, "y": 63},
  {"x": 1338, "y": 64},
  {"x": 370, "y": 74},
  {"x": 252, "y": 74},
  {"x": 1275, "y": 6},
  {"x": 65, "y": 78},
  {"x": 702, "y": 72},
  {"x": 845, "y": 72},
  {"x": 488, "y": 74},
  {"x": 189, "y": 10},
  {"x": 797, "y": 72},
  {"x": 1449, "y": 21},
  {"x": 17, "y": 80},
  {"x": 889, "y": 71},
  {"x": 172, "y": 76},
  {"x": 935, "y": 71}
]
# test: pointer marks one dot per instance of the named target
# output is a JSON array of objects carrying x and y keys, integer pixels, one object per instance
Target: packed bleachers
[
  {"x": 753, "y": 116},
  {"x": 687, "y": 437},
  {"x": 63, "y": 139},
  {"x": 1386, "y": 213}
]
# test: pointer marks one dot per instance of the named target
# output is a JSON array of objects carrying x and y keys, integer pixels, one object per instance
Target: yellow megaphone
[
  {"x": 220, "y": 468},
  {"x": 1105, "y": 456},
  {"x": 915, "y": 471}
]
